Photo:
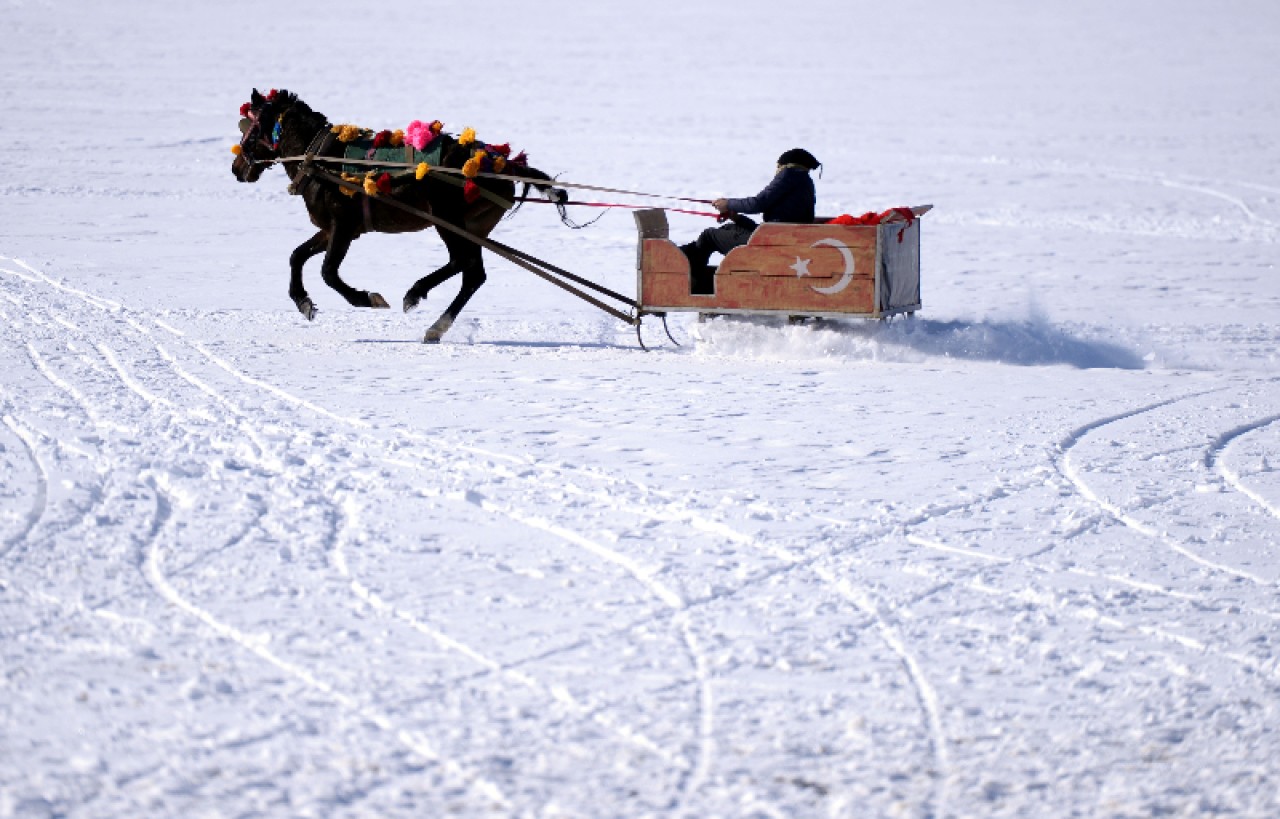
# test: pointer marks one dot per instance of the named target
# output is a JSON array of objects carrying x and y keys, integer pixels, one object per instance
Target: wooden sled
[{"x": 834, "y": 271}]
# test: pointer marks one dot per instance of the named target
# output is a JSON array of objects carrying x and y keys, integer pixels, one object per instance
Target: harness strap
[
  {"x": 300, "y": 177},
  {"x": 532, "y": 264},
  {"x": 556, "y": 182},
  {"x": 505, "y": 204}
]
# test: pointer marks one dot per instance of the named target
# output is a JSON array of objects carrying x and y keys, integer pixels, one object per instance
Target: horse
[{"x": 281, "y": 125}]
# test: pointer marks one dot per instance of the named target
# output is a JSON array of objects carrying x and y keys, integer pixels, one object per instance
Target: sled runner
[{"x": 824, "y": 270}]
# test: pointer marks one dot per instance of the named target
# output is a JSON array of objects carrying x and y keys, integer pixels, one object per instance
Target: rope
[
  {"x": 557, "y": 182},
  {"x": 581, "y": 204}
]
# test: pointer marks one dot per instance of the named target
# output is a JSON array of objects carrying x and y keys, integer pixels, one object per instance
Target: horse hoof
[
  {"x": 307, "y": 308},
  {"x": 436, "y": 331},
  {"x": 378, "y": 302},
  {"x": 410, "y": 303}
]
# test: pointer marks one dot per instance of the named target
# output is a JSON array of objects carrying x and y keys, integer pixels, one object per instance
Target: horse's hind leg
[
  {"x": 423, "y": 286},
  {"x": 473, "y": 276},
  {"x": 340, "y": 239},
  {"x": 301, "y": 254}
]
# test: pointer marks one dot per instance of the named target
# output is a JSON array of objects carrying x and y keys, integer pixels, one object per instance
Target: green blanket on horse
[{"x": 363, "y": 149}]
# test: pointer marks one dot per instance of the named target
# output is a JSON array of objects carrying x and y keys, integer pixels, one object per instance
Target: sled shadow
[
  {"x": 1034, "y": 343},
  {"x": 1026, "y": 343}
]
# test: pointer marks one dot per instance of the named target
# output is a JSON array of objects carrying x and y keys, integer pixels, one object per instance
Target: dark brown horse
[{"x": 281, "y": 125}]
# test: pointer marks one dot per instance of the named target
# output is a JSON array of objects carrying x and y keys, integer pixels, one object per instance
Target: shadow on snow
[{"x": 1021, "y": 343}]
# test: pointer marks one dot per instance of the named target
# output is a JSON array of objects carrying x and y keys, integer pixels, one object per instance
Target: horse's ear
[{"x": 256, "y": 98}]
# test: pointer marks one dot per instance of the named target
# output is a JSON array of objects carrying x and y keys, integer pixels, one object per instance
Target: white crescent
[{"x": 848, "y": 266}]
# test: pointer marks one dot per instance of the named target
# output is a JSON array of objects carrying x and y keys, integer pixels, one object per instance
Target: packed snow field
[{"x": 1016, "y": 556}]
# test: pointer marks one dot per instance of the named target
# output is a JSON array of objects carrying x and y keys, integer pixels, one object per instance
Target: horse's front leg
[
  {"x": 473, "y": 276},
  {"x": 340, "y": 238},
  {"x": 301, "y": 254},
  {"x": 424, "y": 285}
]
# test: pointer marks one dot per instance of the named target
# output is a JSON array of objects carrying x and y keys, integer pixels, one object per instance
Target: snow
[{"x": 1017, "y": 556}]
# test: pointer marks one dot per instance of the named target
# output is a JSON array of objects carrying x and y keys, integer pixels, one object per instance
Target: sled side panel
[
  {"x": 801, "y": 269},
  {"x": 664, "y": 276}
]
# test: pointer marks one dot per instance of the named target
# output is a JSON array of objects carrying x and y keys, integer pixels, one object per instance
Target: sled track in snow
[
  {"x": 1087, "y": 611},
  {"x": 1214, "y": 459},
  {"x": 153, "y": 567},
  {"x": 350, "y": 520},
  {"x": 243, "y": 423},
  {"x": 159, "y": 403},
  {"x": 642, "y": 575},
  {"x": 858, "y": 598},
  {"x": 152, "y": 563},
  {"x": 41, "y": 499},
  {"x": 1063, "y": 463}
]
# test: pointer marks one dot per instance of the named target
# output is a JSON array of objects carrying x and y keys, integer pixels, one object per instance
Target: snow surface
[{"x": 1015, "y": 557}]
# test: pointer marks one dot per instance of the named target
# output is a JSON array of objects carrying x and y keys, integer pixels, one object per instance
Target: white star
[{"x": 801, "y": 267}]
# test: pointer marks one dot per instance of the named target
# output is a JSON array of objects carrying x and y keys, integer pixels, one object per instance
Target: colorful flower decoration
[
  {"x": 348, "y": 133},
  {"x": 420, "y": 134},
  {"x": 352, "y": 178},
  {"x": 471, "y": 168},
  {"x": 484, "y": 158},
  {"x": 375, "y": 185},
  {"x": 237, "y": 150}
]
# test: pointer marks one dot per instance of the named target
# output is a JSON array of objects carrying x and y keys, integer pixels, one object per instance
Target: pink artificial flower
[{"x": 419, "y": 134}]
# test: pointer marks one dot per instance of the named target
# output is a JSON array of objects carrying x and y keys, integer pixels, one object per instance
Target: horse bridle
[{"x": 251, "y": 128}]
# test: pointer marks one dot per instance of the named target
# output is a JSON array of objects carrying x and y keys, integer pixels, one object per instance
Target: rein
[{"x": 520, "y": 179}]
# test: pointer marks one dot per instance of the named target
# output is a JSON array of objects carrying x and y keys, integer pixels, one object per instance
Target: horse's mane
[{"x": 289, "y": 105}]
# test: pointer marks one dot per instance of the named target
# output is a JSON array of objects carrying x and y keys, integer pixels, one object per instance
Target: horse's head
[{"x": 259, "y": 146}]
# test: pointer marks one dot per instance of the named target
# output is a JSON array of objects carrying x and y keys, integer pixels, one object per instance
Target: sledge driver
[{"x": 789, "y": 197}]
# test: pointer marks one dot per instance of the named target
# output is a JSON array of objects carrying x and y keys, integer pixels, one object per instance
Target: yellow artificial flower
[
  {"x": 347, "y": 133},
  {"x": 397, "y": 139},
  {"x": 422, "y": 170},
  {"x": 468, "y": 136},
  {"x": 472, "y": 166},
  {"x": 370, "y": 184},
  {"x": 499, "y": 163},
  {"x": 350, "y": 178}
]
